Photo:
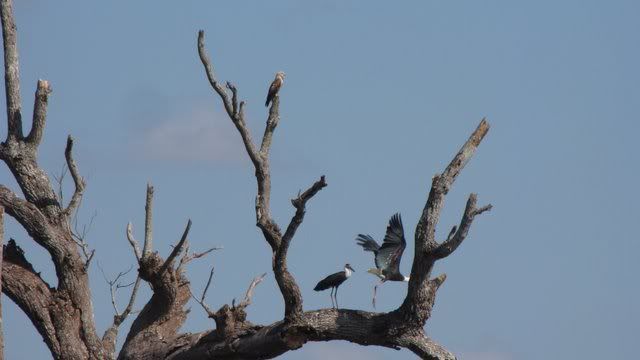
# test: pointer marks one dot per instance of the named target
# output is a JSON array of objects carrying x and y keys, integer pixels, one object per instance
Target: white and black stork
[
  {"x": 333, "y": 281},
  {"x": 387, "y": 256}
]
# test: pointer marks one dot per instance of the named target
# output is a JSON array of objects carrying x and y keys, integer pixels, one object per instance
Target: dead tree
[{"x": 63, "y": 315}]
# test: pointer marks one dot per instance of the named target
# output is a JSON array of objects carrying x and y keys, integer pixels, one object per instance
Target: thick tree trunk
[{"x": 1, "y": 315}]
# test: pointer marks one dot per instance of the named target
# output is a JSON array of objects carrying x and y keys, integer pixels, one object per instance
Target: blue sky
[{"x": 378, "y": 98}]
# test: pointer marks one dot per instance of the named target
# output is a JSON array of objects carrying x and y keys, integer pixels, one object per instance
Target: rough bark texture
[
  {"x": 63, "y": 315},
  {"x": 1, "y": 251}
]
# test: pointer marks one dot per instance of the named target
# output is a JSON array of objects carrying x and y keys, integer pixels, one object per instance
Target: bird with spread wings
[{"x": 387, "y": 257}]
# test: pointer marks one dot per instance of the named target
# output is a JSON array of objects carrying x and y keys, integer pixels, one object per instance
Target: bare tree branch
[
  {"x": 11, "y": 71},
  {"x": 426, "y": 348},
  {"x": 177, "y": 249},
  {"x": 133, "y": 242},
  {"x": 148, "y": 227},
  {"x": 110, "y": 336},
  {"x": 451, "y": 244},
  {"x": 272, "y": 123},
  {"x": 417, "y": 305},
  {"x": 188, "y": 257},
  {"x": 249, "y": 294},
  {"x": 29, "y": 217},
  {"x": 210, "y": 75},
  {"x": 210, "y": 313},
  {"x": 286, "y": 282},
  {"x": 39, "y": 113},
  {"x": 26, "y": 289},
  {"x": 300, "y": 203},
  {"x": 77, "y": 179}
]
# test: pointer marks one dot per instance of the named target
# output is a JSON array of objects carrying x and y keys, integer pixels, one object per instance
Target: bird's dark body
[
  {"x": 274, "y": 88},
  {"x": 333, "y": 280}
]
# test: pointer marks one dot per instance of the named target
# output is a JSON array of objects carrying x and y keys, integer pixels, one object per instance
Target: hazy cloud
[{"x": 200, "y": 136}]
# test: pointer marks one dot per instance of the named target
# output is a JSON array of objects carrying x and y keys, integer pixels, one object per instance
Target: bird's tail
[
  {"x": 367, "y": 243},
  {"x": 322, "y": 285}
]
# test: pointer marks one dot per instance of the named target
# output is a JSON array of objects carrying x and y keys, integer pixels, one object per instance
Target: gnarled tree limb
[
  {"x": 68, "y": 307},
  {"x": 418, "y": 303},
  {"x": 279, "y": 243}
]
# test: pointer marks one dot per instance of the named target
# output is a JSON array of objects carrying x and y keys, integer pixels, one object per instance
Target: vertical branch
[
  {"x": 259, "y": 158},
  {"x": 39, "y": 112},
  {"x": 78, "y": 181},
  {"x": 420, "y": 295},
  {"x": 11, "y": 70},
  {"x": 272, "y": 123},
  {"x": 148, "y": 218},
  {"x": 1, "y": 261},
  {"x": 279, "y": 243}
]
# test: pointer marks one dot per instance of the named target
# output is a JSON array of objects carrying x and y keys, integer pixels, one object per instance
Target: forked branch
[
  {"x": 456, "y": 237},
  {"x": 418, "y": 303},
  {"x": 279, "y": 243}
]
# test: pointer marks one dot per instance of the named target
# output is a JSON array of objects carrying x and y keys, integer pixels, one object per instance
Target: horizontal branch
[{"x": 266, "y": 342}]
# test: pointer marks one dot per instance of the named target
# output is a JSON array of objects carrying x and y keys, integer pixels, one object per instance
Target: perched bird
[
  {"x": 387, "y": 256},
  {"x": 333, "y": 281},
  {"x": 275, "y": 87}
]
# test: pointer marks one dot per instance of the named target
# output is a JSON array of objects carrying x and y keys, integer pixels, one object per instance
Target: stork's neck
[{"x": 347, "y": 272}]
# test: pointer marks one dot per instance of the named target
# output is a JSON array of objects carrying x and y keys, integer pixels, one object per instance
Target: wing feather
[{"x": 389, "y": 255}]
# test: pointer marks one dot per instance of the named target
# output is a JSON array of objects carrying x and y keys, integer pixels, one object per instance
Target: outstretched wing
[{"x": 389, "y": 254}]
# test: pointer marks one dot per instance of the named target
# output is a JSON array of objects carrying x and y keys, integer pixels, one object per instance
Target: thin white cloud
[{"x": 199, "y": 136}]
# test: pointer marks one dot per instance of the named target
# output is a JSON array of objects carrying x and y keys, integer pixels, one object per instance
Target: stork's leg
[
  {"x": 331, "y": 294},
  {"x": 336, "y": 296},
  {"x": 375, "y": 290}
]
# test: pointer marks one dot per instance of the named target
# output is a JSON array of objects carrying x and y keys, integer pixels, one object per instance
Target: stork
[
  {"x": 387, "y": 256},
  {"x": 333, "y": 281}
]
